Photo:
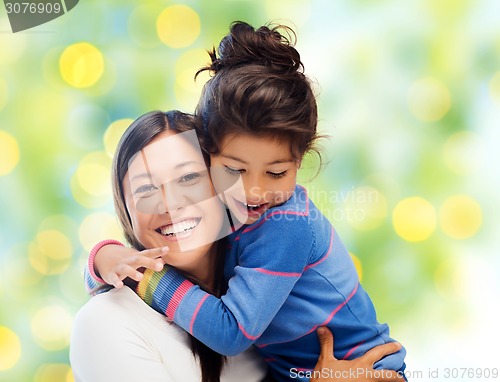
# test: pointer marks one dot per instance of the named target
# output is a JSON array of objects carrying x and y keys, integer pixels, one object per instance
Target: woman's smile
[{"x": 179, "y": 230}]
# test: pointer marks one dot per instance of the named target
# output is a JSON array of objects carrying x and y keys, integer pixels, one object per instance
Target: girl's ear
[{"x": 299, "y": 163}]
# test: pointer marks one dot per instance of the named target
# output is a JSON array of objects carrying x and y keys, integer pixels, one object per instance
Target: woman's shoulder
[{"x": 120, "y": 307}]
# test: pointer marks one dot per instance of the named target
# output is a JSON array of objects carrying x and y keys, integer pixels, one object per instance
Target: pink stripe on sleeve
[
  {"x": 198, "y": 307},
  {"x": 348, "y": 354},
  {"x": 177, "y": 298}
]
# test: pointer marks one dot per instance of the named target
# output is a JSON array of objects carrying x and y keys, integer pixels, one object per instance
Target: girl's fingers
[
  {"x": 129, "y": 271},
  {"x": 378, "y": 352},
  {"x": 326, "y": 343},
  {"x": 146, "y": 262},
  {"x": 118, "y": 283},
  {"x": 155, "y": 252}
]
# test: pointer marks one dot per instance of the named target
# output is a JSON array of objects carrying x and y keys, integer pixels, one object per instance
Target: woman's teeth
[
  {"x": 253, "y": 206},
  {"x": 180, "y": 227}
]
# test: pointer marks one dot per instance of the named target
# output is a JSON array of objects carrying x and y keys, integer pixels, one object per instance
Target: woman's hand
[
  {"x": 115, "y": 263},
  {"x": 329, "y": 369}
]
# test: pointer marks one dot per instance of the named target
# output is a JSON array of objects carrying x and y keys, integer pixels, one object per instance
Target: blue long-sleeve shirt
[{"x": 288, "y": 273}]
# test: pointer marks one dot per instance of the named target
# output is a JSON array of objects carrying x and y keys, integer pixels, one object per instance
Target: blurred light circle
[
  {"x": 51, "y": 327},
  {"x": 81, "y": 65},
  {"x": 9, "y": 153},
  {"x": 429, "y": 99},
  {"x": 460, "y": 217},
  {"x": 98, "y": 226},
  {"x": 94, "y": 174},
  {"x": 365, "y": 208},
  {"x": 495, "y": 87},
  {"x": 187, "y": 90},
  {"x": 142, "y": 25},
  {"x": 414, "y": 219},
  {"x": 357, "y": 264},
  {"x": 3, "y": 93},
  {"x": 10, "y": 348},
  {"x": 463, "y": 153},
  {"x": 51, "y": 372},
  {"x": 83, "y": 198},
  {"x": 50, "y": 253},
  {"x": 178, "y": 26},
  {"x": 62, "y": 223},
  {"x": 113, "y": 134}
]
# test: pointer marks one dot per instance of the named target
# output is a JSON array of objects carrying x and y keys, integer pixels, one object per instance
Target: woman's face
[{"x": 171, "y": 201}]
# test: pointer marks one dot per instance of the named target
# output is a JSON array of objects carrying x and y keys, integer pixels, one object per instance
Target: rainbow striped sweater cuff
[{"x": 163, "y": 290}]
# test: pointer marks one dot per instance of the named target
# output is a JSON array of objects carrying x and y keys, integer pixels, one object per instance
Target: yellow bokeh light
[
  {"x": 94, "y": 174},
  {"x": 98, "y": 226},
  {"x": 51, "y": 372},
  {"x": 460, "y": 217},
  {"x": 429, "y": 99},
  {"x": 414, "y": 219},
  {"x": 187, "y": 90},
  {"x": 357, "y": 264},
  {"x": 9, "y": 153},
  {"x": 365, "y": 208},
  {"x": 10, "y": 348},
  {"x": 50, "y": 253},
  {"x": 113, "y": 134},
  {"x": 51, "y": 327},
  {"x": 463, "y": 153},
  {"x": 69, "y": 376},
  {"x": 81, "y": 65},
  {"x": 495, "y": 87},
  {"x": 178, "y": 26}
]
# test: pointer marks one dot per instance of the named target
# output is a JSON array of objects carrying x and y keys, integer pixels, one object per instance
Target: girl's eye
[
  {"x": 277, "y": 175},
  {"x": 233, "y": 171},
  {"x": 189, "y": 178},
  {"x": 145, "y": 188}
]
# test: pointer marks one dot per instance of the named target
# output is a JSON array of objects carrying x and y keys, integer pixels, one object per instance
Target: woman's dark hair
[
  {"x": 137, "y": 136},
  {"x": 258, "y": 87}
]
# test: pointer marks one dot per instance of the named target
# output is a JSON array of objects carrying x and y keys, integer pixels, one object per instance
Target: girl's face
[
  {"x": 267, "y": 168},
  {"x": 171, "y": 201}
]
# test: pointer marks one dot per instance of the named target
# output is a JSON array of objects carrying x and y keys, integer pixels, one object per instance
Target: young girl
[{"x": 288, "y": 271}]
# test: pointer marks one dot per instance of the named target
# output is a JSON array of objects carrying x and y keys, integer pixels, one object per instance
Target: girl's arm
[
  {"x": 111, "y": 263},
  {"x": 262, "y": 283}
]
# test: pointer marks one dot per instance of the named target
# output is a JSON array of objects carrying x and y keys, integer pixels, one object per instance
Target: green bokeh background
[{"x": 408, "y": 91}]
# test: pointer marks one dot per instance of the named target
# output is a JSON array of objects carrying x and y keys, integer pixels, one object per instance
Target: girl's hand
[
  {"x": 115, "y": 263},
  {"x": 329, "y": 369}
]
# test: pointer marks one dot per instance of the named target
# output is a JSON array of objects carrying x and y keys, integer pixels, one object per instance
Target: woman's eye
[
  {"x": 232, "y": 171},
  {"x": 277, "y": 175},
  {"x": 145, "y": 188},
  {"x": 190, "y": 178}
]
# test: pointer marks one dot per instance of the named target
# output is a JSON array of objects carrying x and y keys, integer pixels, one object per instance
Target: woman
[
  {"x": 134, "y": 342},
  {"x": 163, "y": 196}
]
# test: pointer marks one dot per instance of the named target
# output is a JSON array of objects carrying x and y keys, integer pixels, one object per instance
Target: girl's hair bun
[{"x": 265, "y": 46}]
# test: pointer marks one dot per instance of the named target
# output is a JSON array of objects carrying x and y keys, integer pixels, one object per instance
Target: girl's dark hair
[
  {"x": 137, "y": 136},
  {"x": 258, "y": 87}
]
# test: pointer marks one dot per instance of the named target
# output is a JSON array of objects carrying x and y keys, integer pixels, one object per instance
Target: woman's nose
[{"x": 171, "y": 197}]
